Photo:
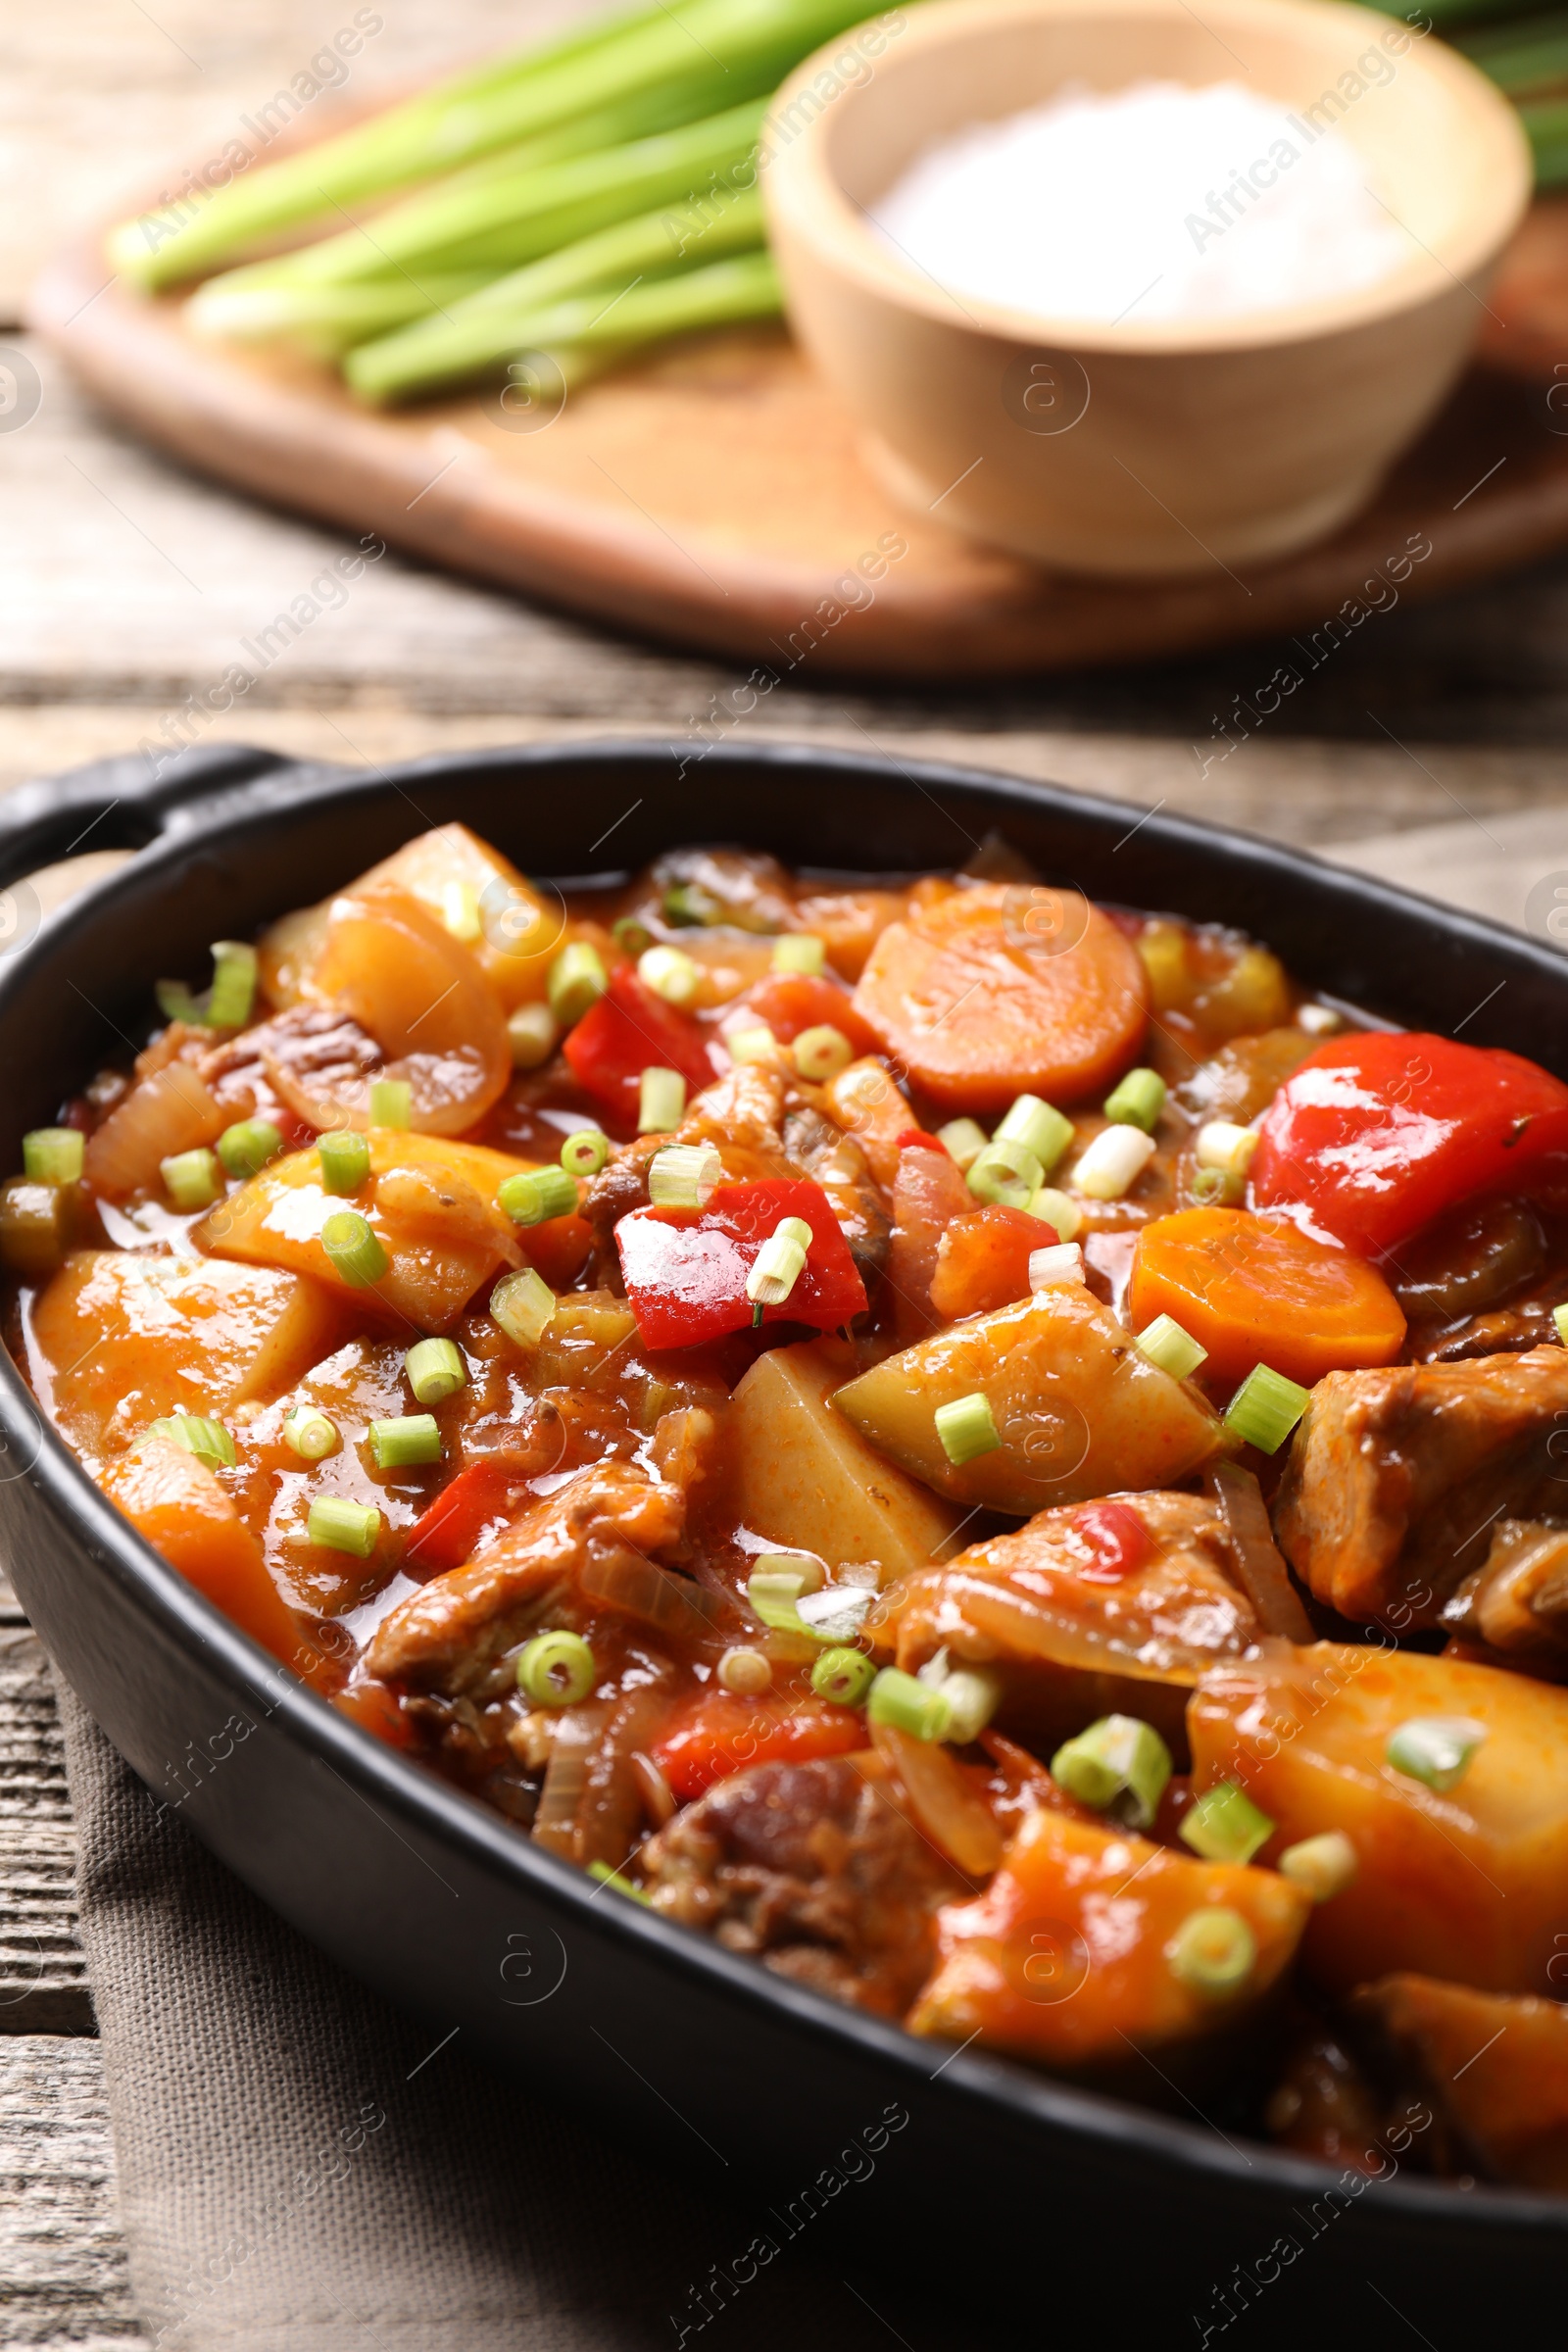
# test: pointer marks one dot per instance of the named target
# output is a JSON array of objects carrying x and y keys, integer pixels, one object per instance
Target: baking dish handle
[{"x": 121, "y": 804}]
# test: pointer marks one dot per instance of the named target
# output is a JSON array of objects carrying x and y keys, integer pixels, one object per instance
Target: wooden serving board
[{"x": 715, "y": 497}]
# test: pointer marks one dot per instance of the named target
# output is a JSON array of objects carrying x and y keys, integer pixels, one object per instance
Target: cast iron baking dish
[{"x": 1002, "y": 2181}]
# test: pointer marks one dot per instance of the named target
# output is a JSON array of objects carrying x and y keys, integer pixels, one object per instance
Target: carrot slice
[
  {"x": 1006, "y": 990},
  {"x": 1254, "y": 1293},
  {"x": 983, "y": 1261}
]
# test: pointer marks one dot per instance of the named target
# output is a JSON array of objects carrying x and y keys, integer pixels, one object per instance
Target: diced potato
[
  {"x": 179, "y": 1506},
  {"x": 513, "y": 929},
  {"x": 802, "y": 1476},
  {"x": 1494, "y": 2071},
  {"x": 127, "y": 1337},
  {"x": 430, "y": 1200},
  {"x": 1065, "y": 1958},
  {"x": 1079, "y": 1411},
  {"x": 1467, "y": 1885}
]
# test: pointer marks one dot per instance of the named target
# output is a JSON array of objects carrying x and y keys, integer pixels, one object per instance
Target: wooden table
[{"x": 127, "y": 584}]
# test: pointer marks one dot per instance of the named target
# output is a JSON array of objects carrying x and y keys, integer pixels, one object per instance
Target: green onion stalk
[
  {"x": 501, "y": 227},
  {"x": 629, "y": 270},
  {"x": 645, "y": 57}
]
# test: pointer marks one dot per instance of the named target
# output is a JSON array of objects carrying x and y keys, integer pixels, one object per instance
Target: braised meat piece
[
  {"x": 1323, "y": 2105},
  {"x": 1517, "y": 1601},
  {"x": 1396, "y": 1475},
  {"x": 816, "y": 1870},
  {"x": 1492, "y": 2073},
  {"x": 449, "y": 1636}
]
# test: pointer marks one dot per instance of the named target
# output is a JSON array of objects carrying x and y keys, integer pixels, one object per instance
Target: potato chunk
[
  {"x": 127, "y": 1337},
  {"x": 179, "y": 1506},
  {"x": 430, "y": 1200},
  {"x": 1066, "y": 1958},
  {"x": 1467, "y": 1885},
  {"x": 1079, "y": 1411},
  {"x": 1496, "y": 2072},
  {"x": 797, "y": 1473}
]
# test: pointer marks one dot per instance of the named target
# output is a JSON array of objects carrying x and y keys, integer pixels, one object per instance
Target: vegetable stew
[{"x": 982, "y": 1449}]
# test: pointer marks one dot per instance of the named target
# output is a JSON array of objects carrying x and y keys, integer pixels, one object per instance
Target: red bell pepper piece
[
  {"x": 685, "y": 1269},
  {"x": 1372, "y": 1137},
  {"x": 446, "y": 1535},
  {"x": 1117, "y": 1541},
  {"x": 915, "y": 1139},
  {"x": 720, "y": 1734},
  {"x": 791, "y": 1002},
  {"x": 628, "y": 1031}
]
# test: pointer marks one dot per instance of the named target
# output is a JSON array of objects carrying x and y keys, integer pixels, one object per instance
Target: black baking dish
[{"x": 444, "y": 1908}]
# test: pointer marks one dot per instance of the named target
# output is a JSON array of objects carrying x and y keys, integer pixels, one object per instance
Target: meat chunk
[
  {"x": 449, "y": 1636},
  {"x": 1517, "y": 1602},
  {"x": 1492, "y": 2073},
  {"x": 814, "y": 1869},
  {"x": 1396, "y": 1475},
  {"x": 1076, "y": 1632}
]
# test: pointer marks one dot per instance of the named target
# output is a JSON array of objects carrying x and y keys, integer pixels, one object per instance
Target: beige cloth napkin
[{"x": 299, "y": 2170}]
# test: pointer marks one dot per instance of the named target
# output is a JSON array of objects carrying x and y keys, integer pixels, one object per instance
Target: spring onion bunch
[
  {"x": 563, "y": 205},
  {"x": 1525, "y": 52}
]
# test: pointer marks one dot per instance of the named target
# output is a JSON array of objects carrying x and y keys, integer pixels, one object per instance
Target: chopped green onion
[
  {"x": 535, "y": 1195},
  {"x": 578, "y": 980},
  {"x": 689, "y": 906},
  {"x": 1217, "y": 1188},
  {"x": 1224, "y": 1825},
  {"x": 208, "y": 1440},
  {"x": 1436, "y": 1750},
  {"x": 557, "y": 1669},
  {"x": 233, "y": 989},
  {"x": 684, "y": 1175},
  {"x": 1005, "y": 1173},
  {"x": 405, "y": 1439},
  {"x": 1114, "y": 1160},
  {"x": 746, "y": 1672},
  {"x": 660, "y": 1101},
  {"x": 608, "y": 1876},
  {"x": 1137, "y": 1100},
  {"x": 799, "y": 952},
  {"x": 778, "y": 1265},
  {"x": 246, "y": 1148},
  {"x": 343, "y": 1525},
  {"x": 842, "y": 1676},
  {"x": 1173, "y": 1350},
  {"x": 1265, "y": 1409},
  {"x": 585, "y": 1153},
  {"x": 345, "y": 1159},
  {"x": 311, "y": 1434},
  {"x": 754, "y": 1041},
  {"x": 822, "y": 1053},
  {"x": 1559, "y": 1316},
  {"x": 1323, "y": 1866},
  {"x": 671, "y": 973},
  {"x": 1058, "y": 1209},
  {"x": 776, "y": 1585},
  {"x": 1049, "y": 1267},
  {"x": 192, "y": 1179},
  {"x": 521, "y": 1305},
  {"x": 353, "y": 1248},
  {"x": 54, "y": 1155},
  {"x": 966, "y": 1429},
  {"x": 533, "y": 1031},
  {"x": 973, "y": 1696},
  {"x": 1222, "y": 1145},
  {"x": 631, "y": 936},
  {"x": 1214, "y": 1951},
  {"x": 909, "y": 1705},
  {"x": 836, "y": 1613},
  {"x": 965, "y": 1140},
  {"x": 435, "y": 1369},
  {"x": 391, "y": 1103},
  {"x": 1119, "y": 1765},
  {"x": 1038, "y": 1127}
]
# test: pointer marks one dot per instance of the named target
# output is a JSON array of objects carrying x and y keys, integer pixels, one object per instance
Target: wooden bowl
[{"x": 1162, "y": 447}]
